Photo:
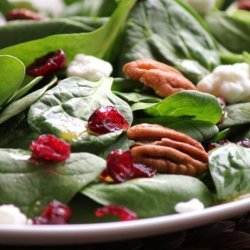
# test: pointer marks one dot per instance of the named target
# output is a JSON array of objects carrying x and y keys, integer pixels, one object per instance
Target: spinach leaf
[
  {"x": 12, "y": 72},
  {"x": 236, "y": 114},
  {"x": 31, "y": 186},
  {"x": 25, "y": 89},
  {"x": 16, "y": 133},
  {"x": 20, "y": 105},
  {"x": 167, "y": 31},
  {"x": 94, "y": 8},
  {"x": 150, "y": 197},
  {"x": 230, "y": 169},
  {"x": 189, "y": 104},
  {"x": 102, "y": 43},
  {"x": 18, "y": 32},
  {"x": 5, "y": 6},
  {"x": 228, "y": 28},
  {"x": 65, "y": 110}
]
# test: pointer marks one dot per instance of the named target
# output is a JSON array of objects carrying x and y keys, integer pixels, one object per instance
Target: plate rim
[{"x": 115, "y": 231}]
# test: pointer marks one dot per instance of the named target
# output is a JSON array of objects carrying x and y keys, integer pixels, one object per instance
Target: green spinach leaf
[
  {"x": 65, "y": 110},
  {"x": 31, "y": 186},
  {"x": 188, "y": 104},
  {"x": 228, "y": 28},
  {"x": 161, "y": 193},
  {"x": 18, "y": 32},
  {"x": 230, "y": 169},
  {"x": 20, "y": 105},
  {"x": 102, "y": 43},
  {"x": 12, "y": 72},
  {"x": 94, "y": 8},
  {"x": 236, "y": 114},
  {"x": 167, "y": 31}
]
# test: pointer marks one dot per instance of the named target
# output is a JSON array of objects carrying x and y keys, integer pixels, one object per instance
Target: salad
[{"x": 122, "y": 109}]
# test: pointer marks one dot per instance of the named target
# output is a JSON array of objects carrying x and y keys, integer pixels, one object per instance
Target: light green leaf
[{"x": 12, "y": 72}]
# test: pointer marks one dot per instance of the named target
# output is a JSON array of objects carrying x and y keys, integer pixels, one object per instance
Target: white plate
[{"x": 103, "y": 232}]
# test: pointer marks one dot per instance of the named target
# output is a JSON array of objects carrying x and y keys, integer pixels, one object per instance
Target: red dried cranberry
[
  {"x": 50, "y": 148},
  {"x": 122, "y": 212},
  {"x": 22, "y": 14},
  {"x": 217, "y": 144},
  {"x": 55, "y": 213},
  {"x": 244, "y": 143},
  {"x": 106, "y": 119},
  {"x": 120, "y": 165},
  {"x": 48, "y": 64},
  {"x": 141, "y": 170},
  {"x": 244, "y": 4}
]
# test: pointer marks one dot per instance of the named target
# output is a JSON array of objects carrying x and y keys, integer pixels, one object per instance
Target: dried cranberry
[
  {"x": 48, "y": 64},
  {"x": 22, "y": 14},
  {"x": 244, "y": 143},
  {"x": 55, "y": 213},
  {"x": 143, "y": 171},
  {"x": 217, "y": 144},
  {"x": 244, "y": 4},
  {"x": 122, "y": 212},
  {"x": 120, "y": 165},
  {"x": 106, "y": 119},
  {"x": 50, "y": 148}
]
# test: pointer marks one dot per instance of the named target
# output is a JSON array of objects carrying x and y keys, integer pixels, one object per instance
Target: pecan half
[
  {"x": 164, "y": 79},
  {"x": 167, "y": 150}
]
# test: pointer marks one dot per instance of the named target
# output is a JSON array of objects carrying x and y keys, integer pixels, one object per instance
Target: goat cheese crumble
[
  {"x": 201, "y": 6},
  {"x": 189, "y": 206},
  {"x": 9, "y": 214},
  {"x": 89, "y": 67},
  {"x": 231, "y": 82}
]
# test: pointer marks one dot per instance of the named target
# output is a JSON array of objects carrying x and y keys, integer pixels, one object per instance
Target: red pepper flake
[
  {"x": 48, "y": 64},
  {"x": 124, "y": 213},
  {"x": 50, "y": 148}
]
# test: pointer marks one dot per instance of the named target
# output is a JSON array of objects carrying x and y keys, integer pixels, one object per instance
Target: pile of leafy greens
[{"x": 119, "y": 31}]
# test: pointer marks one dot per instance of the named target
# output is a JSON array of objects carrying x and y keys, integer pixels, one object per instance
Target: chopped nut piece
[
  {"x": 164, "y": 79},
  {"x": 167, "y": 150}
]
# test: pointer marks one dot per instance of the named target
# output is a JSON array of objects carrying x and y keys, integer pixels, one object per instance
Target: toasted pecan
[
  {"x": 164, "y": 79},
  {"x": 170, "y": 151}
]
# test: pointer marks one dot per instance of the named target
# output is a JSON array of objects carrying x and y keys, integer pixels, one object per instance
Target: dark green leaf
[
  {"x": 65, "y": 110},
  {"x": 150, "y": 197},
  {"x": 18, "y": 32},
  {"x": 31, "y": 186},
  {"x": 167, "y": 31},
  {"x": 230, "y": 169}
]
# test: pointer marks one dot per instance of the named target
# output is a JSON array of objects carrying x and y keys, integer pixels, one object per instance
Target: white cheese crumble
[
  {"x": 231, "y": 82},
  {"x": 189, "y": 206},
  {"x": 201, "y": 6},
  {"x": 89, "y": 67},
  {"x": 9, "y": 214}
]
